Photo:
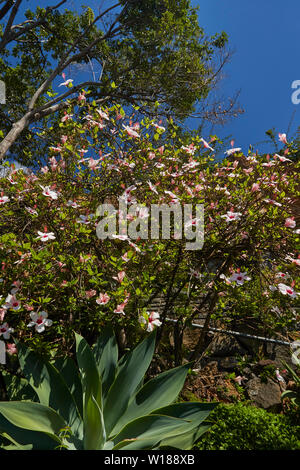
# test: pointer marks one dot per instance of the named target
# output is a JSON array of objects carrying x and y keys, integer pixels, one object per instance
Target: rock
[
  {"x": 224, "y": 345},
  {"x": 264, "y": 394},
  {"x": 280, "y": 354}
]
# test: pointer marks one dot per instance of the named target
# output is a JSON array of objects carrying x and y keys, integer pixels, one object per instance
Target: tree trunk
[
  {"x": 201, "y": 342},
  {"x": 13, "y": 134}
]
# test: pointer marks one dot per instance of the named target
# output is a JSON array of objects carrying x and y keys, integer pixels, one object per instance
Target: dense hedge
[{"x": 245, "y": 427}]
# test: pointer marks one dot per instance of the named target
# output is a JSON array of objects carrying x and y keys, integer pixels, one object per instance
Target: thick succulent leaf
[
  {"x": 32, "y": 416},
  {"x": 89, "y": 374},
  {"x": 151, "y": 427},
  {"x": 69, "y": 371},
  {"x": 18, "y": 388},
  {"x": 38, "y": 440},
  {"x": 158, "y": 392},
  {"x": 94, "y": 429},
  {"x": 50, "y": 387},
  {"x": 35, "y": 371},
  {"x": 128, "y": 378},
  {"x": 138, "y": 444},
  {"x": 106, "y": 355},
  {"x": 184, "y": 441},
  {"x": 193, "y": 412}
]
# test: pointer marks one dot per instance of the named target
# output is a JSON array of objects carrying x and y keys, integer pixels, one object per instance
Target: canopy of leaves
[{"x": 136, "y": 52}]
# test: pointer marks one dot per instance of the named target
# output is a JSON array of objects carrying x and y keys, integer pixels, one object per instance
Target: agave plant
[{"x": 100, "y": 403}]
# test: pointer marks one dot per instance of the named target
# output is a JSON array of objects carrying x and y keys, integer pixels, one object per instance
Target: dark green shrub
[{"x": 245, "y": 427}]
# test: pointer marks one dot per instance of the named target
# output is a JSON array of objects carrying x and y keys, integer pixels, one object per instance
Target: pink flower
[
  {"x": 45, "y": 236},
  {"x": 151, "y": 321},
  {"x": 282, "y": 275},
  {"x": 4, "y": 199},
  {"x": 239, "y": 278},
  {"x": 12, "y": 302},
  {"x": 102, "y": 114},
  {"x": 190, "y": 149},
  {"x": 31, "y": 211},
  {"x": 273, "y": 202},
  {"x": 161, "y": 128},
  {"x": 230, "y": 216},
  {"x": 93, "y": 164},
  {"x": 120, "y": 276},
  {"x": 120, "y": 308},
  {"x": 282, "y": 138},
  {"x": 11, "y": 348},
  {"x": 294, "y": 260},
  {"x": 255, "y": 187},
  {"x": 39, "y": 321},
  {"x": 290, "y": 222},
  {"x": 66, "y": 117},
  {"x": 49, "y": 192},
  {"x": 287, "y": 290},
  {"x": 152, "y": 187},
  {"x": 231, "y": 151},
  {"x": 5, "y": 331},
  {"x": 56, "y": 149},
  {"x": 67, "y": 82},
  {"x": 90, "y": 293},
  {"x": 125, "y": 257},
  {"x": 151, "y": 155},
  {"x": 103, "y": 299},
  {"x": 206, "y": 145},
  {"x": 81, "y": 97},
  {"x": 131, "y": 132}
]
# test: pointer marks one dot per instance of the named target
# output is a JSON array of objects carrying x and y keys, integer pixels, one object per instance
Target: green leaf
[
  {"x": 185, "y": 441},
  {"x": 49, "y": 386},
  {"x": 32, "y": 416},
  {"x": 106, "y": 355},
  {"x": 158, "y": 392},
  {"x": 129, "y": 376},
  {"x": 90, "y": 377},
  {"x": 38, "y": 440},
  {"x": 194, "y": 412},
  {"x": 151, "y": 427},
  {"x": 68, "y": 370},
  {"x": 94, "y": 429}
]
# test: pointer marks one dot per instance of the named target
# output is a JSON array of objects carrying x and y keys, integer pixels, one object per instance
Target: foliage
[
  {"x": 54, "y": 262},
  {"x": 244, "y": 427},
  {"x": 135, "y": 53},
  {"x": 104, "y": 405}
]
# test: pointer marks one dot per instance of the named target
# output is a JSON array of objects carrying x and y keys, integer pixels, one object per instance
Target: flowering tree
[{"x": 58, "y": 275}]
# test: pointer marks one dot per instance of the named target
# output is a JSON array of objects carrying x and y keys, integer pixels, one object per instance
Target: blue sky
[{"x": 264, "y": 35}]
